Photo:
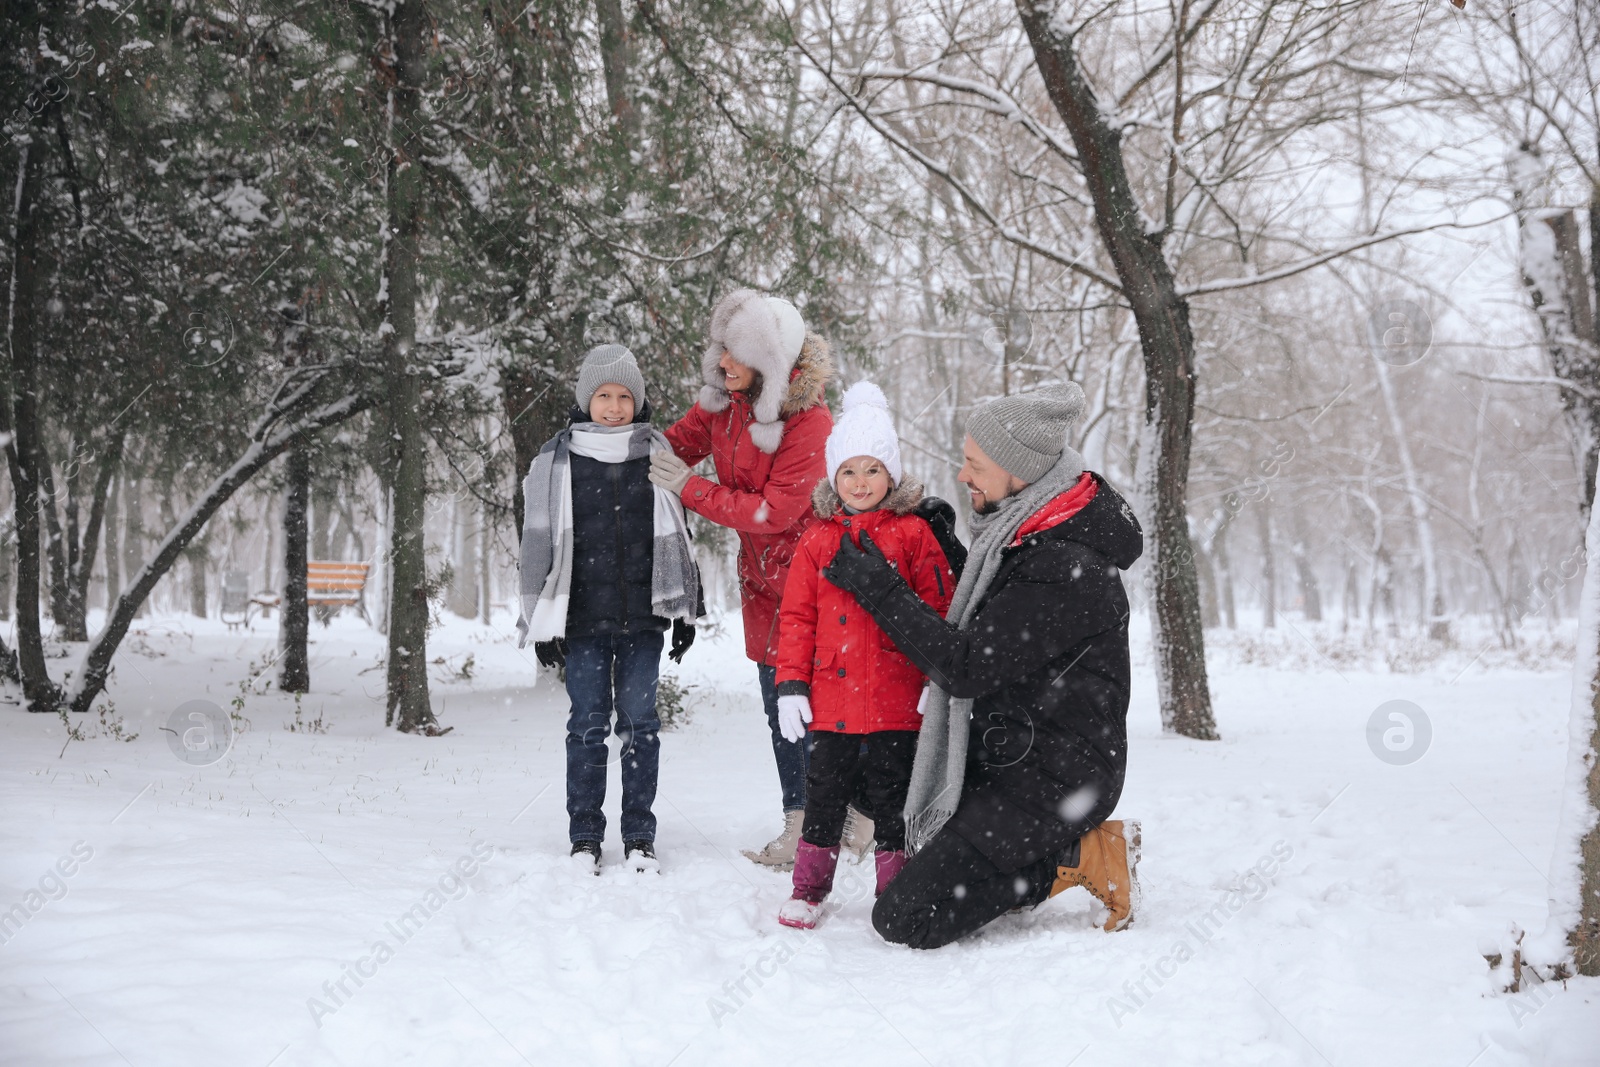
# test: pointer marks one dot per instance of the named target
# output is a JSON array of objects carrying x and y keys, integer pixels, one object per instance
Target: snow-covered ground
[{"x": 298, "y": 902}]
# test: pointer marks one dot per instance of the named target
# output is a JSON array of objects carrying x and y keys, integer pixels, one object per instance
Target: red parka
[
  {"x": 858, "y": 681},
  {"x": 765, "y": 498}
]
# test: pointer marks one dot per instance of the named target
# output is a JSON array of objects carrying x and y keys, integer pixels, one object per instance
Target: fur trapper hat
[{"x": 765, "y": 334}]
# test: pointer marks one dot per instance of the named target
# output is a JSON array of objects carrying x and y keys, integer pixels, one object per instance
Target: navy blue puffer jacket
[{"x": 613, "y": 538}]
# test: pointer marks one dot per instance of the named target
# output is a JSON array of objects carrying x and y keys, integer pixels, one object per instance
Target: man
[{"x": 1023, "y": 748}]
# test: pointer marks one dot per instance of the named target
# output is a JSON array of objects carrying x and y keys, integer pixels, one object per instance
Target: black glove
[
  {"x": 551, "y": 653},
  {"x": 942, "y": 517},
  {"x": 860, "y": 570},
  {"x": 682, "y": 638}
]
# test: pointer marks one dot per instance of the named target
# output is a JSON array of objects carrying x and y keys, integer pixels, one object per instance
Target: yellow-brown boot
[{"x": 1108, "y": 867}]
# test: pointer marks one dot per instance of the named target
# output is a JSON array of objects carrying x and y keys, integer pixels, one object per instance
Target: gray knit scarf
[
  {"x": 546, "y": 560},
  {"x": 941, "y": 762}
]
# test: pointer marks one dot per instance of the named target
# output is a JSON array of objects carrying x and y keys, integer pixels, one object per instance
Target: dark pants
[
  {"x": 605, "y": 673},
  {"x": 791, "y": 755},
  {"x": 871, "y": 770},
  {"x": 949, "y": 890}
]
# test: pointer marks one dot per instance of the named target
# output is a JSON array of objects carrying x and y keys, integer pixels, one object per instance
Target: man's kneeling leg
[{"x": 949, "y": 890}]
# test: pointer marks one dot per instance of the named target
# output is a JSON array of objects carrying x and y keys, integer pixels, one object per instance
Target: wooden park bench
[{"x": 330, "y": 585}]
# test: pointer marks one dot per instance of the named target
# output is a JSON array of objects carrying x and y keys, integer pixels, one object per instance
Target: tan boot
[
  {"x": 858, "y": 830},
  {"x": 779, "y": 852},
  {"x": 1108, "y": 867}
]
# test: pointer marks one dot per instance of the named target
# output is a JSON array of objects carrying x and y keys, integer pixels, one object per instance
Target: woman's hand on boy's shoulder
[{"x": 668, "y": 472}]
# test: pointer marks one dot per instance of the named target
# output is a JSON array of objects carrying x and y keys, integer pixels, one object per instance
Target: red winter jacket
[
  {"x": 858, "y": 681},
  {"x": 765, "y": 498}
]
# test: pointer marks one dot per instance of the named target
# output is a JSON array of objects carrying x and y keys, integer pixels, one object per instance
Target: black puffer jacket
[
  {"x": 1045, "y": 660},
  {"x": 613, "y": 537}
]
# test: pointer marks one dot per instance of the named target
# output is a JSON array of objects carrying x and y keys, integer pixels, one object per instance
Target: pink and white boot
[
  {"x": 813, "y": 881},
  {"x": 889, "y": 864}
]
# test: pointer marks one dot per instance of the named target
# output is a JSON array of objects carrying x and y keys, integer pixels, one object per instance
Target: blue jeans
[
  {"x": 605, "y": 673},
  {"x": 793, "y": 757}
]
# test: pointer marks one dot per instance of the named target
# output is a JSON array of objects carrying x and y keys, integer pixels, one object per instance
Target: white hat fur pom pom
[
  {"x": 864, "y": 428},
  {"x": 863, "y": 394}
]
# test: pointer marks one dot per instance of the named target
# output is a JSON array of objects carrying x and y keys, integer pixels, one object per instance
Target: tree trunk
[
  {"x": 1436, "y": 625},
  {"x": 294, "y": 622},
  {"x": 5, "y": 573},
  {"x": 199, "y": 558},
  {"x": 269, "y": 560},
  {"x": 319, "y": 524},
  {"x": 615, "y": 59},
  {"x": 1219, "y": 551},
  {"x": 133, "y": 528},
  {"x": 113, "y": 546},
  {"x": 1162, "y": 316},
  {"x": 1269, "y": 565},
  {"x": 464, "y": 551},
  {"x": 82, "y": 545},
  {"x": 485, "y": 574},
  {"x": 1574, "y": 927},
  {"x": 1210, "y": 610},
  {"x": 1310, "y": 589},
  {"x": 408, "y": 704},
  {"x": 1552, "y": 271},
  {"x": 21, "y": 424}
]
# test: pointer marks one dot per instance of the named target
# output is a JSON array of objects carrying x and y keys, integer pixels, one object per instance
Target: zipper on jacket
[{"x": 616, "y": 516}]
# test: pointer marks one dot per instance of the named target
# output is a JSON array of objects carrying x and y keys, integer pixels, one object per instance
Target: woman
[{"x": 762, "y": 419}]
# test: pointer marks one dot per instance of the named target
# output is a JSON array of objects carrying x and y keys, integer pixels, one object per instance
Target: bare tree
[{"x": 1166, "y": 187}]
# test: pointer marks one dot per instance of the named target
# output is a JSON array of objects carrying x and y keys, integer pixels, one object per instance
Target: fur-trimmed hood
[
  {"x": 767, "y": 335},
  {"x": 901, "y": 500}
]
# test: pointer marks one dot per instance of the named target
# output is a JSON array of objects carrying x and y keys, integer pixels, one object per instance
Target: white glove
[
  {"x": 922, "y": 701},
  {"x": 669, "y": 472},
  {"x": 794, "y": 712}
]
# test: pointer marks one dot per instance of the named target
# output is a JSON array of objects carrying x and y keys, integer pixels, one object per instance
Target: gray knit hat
[
  {"x": 609, "y": 363},
  {"x": 1027, "y": 434}
]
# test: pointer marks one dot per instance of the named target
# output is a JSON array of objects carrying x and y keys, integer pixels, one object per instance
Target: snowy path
[{"x": 218, "y": 902}]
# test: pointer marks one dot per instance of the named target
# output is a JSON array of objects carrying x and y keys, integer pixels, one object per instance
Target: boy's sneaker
[
  {"x": 586, "y": 856},
  {"x": 640, "y": 856},
  {"x": 800, "y": 914}
]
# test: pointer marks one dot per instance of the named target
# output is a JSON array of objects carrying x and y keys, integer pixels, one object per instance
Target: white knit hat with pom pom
[{"x": 864, "y": 429}]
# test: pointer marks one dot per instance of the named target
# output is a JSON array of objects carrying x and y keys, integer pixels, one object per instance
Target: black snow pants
[
  {"x": 871, "y": 770},
  {"x": 949, "y": 890}
]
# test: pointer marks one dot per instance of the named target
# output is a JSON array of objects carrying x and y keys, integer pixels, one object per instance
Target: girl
[
  {"x": 837, "y": 671},
  {"x": 598, "y": 594}
]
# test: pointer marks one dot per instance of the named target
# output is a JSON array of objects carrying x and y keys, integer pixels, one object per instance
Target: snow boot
[
  {"x": 858, "y": 828},
  {"x": 779, "y": 852},
  {"x": 586, "y": 856},
  {"x": 1107, "y": 865},
  {"x": 813, "y": 881},
  {"x": 640, "y": 856},
  {"x": 889, "y": 864}
]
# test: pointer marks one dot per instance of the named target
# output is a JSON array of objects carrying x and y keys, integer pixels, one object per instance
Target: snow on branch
[
  {"x": 1300, "y": 266},
  {"x": 1514, "y": 379},
  {"x": 1005, "y": 105},
  {"x": 944, "y": 172}
]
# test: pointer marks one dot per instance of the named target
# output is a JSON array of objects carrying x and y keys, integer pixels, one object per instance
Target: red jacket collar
[
  {"x": 1059, "y": 508},
  {"x": 866, "y": 520}
]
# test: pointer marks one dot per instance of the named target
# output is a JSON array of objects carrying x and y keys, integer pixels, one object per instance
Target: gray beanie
[
  {"x": 609, "y": 363},
  {"x": 1026, "y": 434}
]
